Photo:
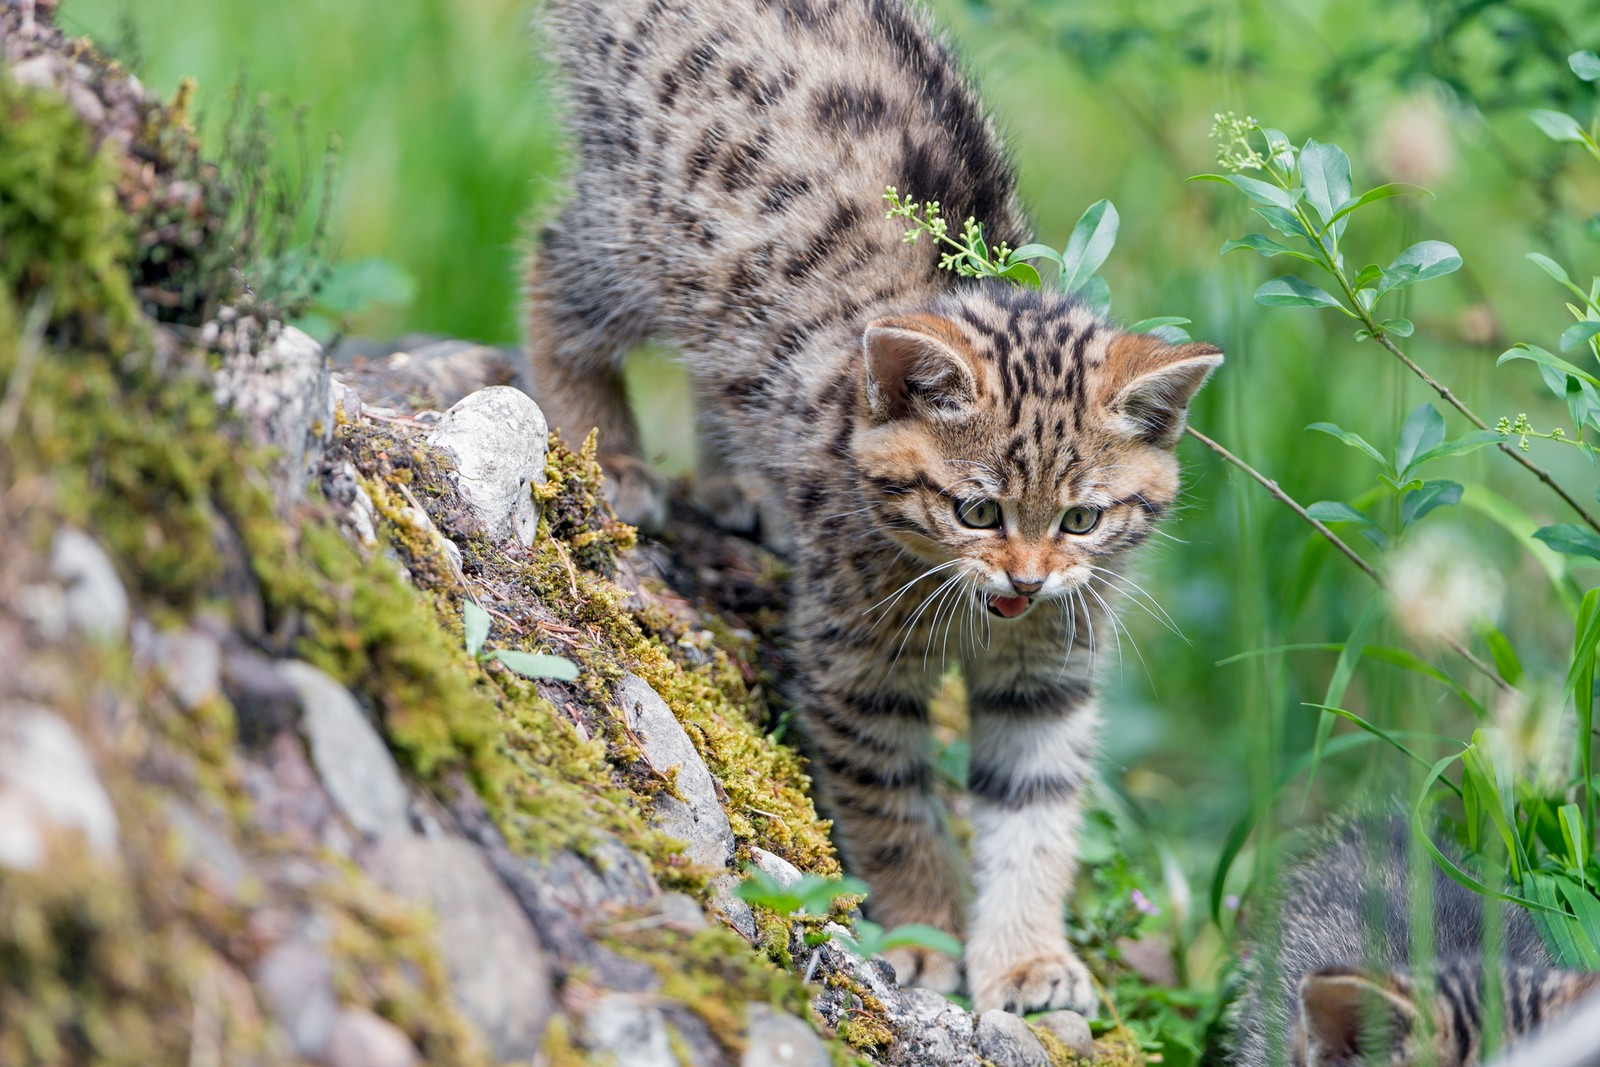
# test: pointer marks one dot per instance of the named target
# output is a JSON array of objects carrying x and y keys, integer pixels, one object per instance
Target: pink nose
[{"x": 1025, "y": 588}]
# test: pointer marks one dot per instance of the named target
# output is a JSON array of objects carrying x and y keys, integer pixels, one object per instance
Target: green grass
[{"x": 448, "y": 147}]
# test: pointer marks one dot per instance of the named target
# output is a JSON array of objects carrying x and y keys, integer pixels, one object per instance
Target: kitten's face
[{"x": 1022, "y": 445}]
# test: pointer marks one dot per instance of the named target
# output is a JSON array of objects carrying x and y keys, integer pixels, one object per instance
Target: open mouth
[{"x": 1008, "y": 607}]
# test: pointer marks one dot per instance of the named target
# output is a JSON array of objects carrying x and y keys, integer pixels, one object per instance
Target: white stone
[
  {"x": 94, "y": 601},
  {"x": 282, "y": 395},
  {"x": 351, "y": 759},
  {"x": 630, "y": 1030},
  {"x": 498, "y": 438},
  {"x": 698, "y": 819},
  {"x": 47, "y": 783},
  {"x": 777, "y": 1039},
  {"x": 775, "y": 867}
]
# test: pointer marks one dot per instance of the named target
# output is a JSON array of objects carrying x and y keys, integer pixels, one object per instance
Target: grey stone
[
  {"x": 499, "y": 439},
  {"x": 725, "y": 901},
  {"x": 930, "y": 1030},
  {"x": 631, "y": 1030},
  {"x": 357, "y": 515},
  {"x": 204, "y": 848},
  {"x": 775, "y": 867},
  {"x": 362, "y": 1039},
  {"x": 95, "y": 603},
  {"x": 698, "y": 819},
  {"x": 296, "y": 981},
  {"x": 681, "y": 911},
  {"x": 346, "y": 401},
  {"x": 47, "y": 783},
  {"x": 263, "y": 700},
  {"x": 424, "y": 371},
  {"x": 350, "y": 757},
  {"x": 190, "y": 661},
  {"x": 778, "y": 1039},
  {"x": 1071, "y": 1029},
  {"x": 499, "y": 977},
  {"x": 1006, "y": 1040},
  {"x": 282, "y": 395}
]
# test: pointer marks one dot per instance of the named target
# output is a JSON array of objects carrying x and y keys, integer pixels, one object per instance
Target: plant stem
[
  {"x": 1344, "y": 549},
  {"x": 1450, "y": 398}
]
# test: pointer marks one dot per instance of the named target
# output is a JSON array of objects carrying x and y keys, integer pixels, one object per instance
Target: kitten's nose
[{"x": 1025, "y": 588}]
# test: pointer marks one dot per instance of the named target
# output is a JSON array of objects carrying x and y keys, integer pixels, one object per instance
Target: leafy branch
[{"x": 1310, "y": 198}]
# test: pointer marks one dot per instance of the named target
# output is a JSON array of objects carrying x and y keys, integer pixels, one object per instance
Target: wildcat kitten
[
  {"x": 959, "y": 467},
  {"x": 1345, "y": 992}
]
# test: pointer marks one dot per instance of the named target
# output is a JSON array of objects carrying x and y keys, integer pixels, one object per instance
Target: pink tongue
[{"x": 1009, "y": 606}]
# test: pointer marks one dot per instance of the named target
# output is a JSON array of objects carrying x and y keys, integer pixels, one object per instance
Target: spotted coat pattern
[{"x": 731, "y": 157}]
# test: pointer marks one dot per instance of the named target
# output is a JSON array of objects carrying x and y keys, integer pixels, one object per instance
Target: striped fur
[
  {"x": 730, "y": 161},
  {"x": 1336, "y": 987}
]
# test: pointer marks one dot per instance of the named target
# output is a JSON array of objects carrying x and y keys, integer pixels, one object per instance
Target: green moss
[
  {"x": 65, "y": 233},
  {"x": 1060, "y": 1055}
]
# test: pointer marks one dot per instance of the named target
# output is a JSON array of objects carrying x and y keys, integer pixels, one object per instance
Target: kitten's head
[
  {"x": 1352, "y": 1018},
  {"x": 1016, "y": 437}
]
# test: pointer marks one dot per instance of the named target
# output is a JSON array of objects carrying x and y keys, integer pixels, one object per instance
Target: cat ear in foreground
[
  {"x": 917, "y": 365},
  {"x": 1349, "y": 1018},
  {"x": 1152, "y": 383}
]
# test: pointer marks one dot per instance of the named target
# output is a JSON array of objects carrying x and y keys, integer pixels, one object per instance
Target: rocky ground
[{"x": 259, "y": 801}]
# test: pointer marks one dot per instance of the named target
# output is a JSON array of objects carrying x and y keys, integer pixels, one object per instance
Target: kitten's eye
[
  {"x": 1080, "y": 520},
  {"x": 978, "y": 514}
]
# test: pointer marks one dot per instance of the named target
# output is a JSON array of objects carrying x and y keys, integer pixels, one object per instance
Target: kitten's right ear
[
  {"x": 917, "y": 365},
  {"x": 1350, "y": 1018}
]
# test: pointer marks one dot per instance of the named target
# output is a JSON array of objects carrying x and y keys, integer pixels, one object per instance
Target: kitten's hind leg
[
  {"x": 578, "y": 329},
  {"x": 872, "y": 762},
  {"x": 717, "y": 489}
]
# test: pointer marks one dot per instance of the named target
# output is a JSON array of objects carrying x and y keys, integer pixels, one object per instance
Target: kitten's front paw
[
  {"x": 635, "y": 491},
  {"x": 1048, "y": 981},
  {"x": 925, "y": 968}
]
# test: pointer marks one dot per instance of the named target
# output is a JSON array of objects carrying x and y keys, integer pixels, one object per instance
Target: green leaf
[
  {"x": 1523, "y": 350},
  {"x": 1575, "y": 838},
  {"x": 1460, "y": 446},
  {"x": 1377, "y": 731},
  {"x": 1035, "y": 251},
  {"x": 1433, "y": 494},
  {"x": 1146, "y": 325},
  {"x": 1381, "y": 192},
  {"x": 1516, "y": 522},
  {"x": 1585, "y": 64},
  {"x": 1570, "y": 539},
  {"x": 358, "y": 284},
  {"x": 1334, "y": 511},
  {"x": 1023, "y": 274},
  {"x": 1423, "y": 429},
  {"x": 1091, "y": 242},
  {"x": 1259, "y": 191},
  {"x": 537, "y": 664},
  {"x": 1354, "y": 440},
  {"x": 1337, "y": 511},
  {"x": 1290, "y": 291},
  {"x": 1552, "y": 268},
  {"x": 1288, "y": 224},
  {"x": 1398, "y": 327},
  {"x": 1419, "y": 263},
  {"x": 1557, "y": 125},
  {"x": 1578, "y": 333},
  {"x": 1325, "y": 170},
  {"x": 921, "y": 935},
  {"x": 1505, "y": 657},
  {"x": 1260, "y": 242},
  {"x": 475, "y": 621},
  {"x": 1097, "y": 294}
]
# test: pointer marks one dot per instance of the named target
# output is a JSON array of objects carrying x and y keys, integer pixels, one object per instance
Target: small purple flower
[
  {"x": 1142, "y": 903},
  {"x": 1231, "y": 902}
]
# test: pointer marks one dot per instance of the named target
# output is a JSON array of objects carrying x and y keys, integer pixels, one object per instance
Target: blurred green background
[{"x": 449, "y": 145}]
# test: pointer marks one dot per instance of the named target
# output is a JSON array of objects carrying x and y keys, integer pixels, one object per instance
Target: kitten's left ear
[
  {"x": 1348, "y": 1017},
  {"x": 1152, "y": 382}
]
